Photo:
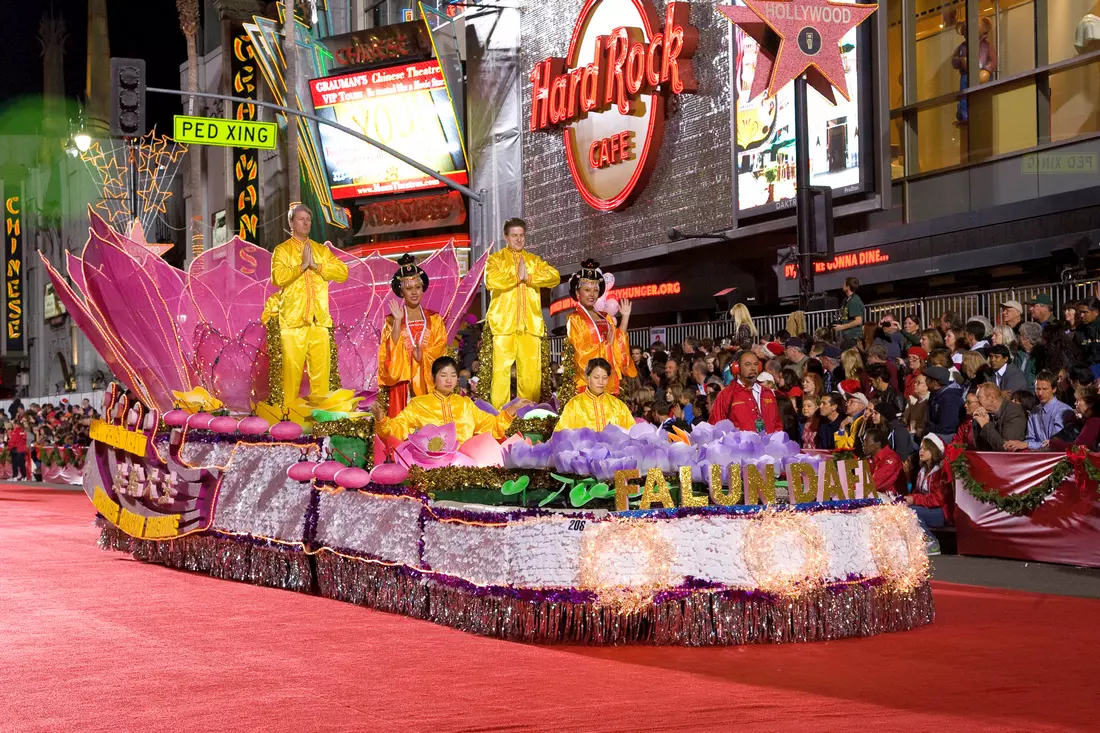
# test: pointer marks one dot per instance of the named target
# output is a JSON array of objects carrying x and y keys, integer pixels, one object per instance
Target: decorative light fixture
[{"x": 82, "y": 140}]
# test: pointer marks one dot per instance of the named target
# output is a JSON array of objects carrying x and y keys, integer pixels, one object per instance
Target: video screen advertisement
[
  {"x": 765, "y": 144},
  {"x": 405, "y": 107}
]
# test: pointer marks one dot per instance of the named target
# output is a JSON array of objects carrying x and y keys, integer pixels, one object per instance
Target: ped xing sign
[{"x": 230, "y": 133}]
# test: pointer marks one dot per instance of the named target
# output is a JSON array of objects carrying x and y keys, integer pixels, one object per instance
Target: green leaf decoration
[
  {"x": 515, "y": 486},
  {"x": 600, "y": 491},
  {"x": 563, "y": 479},
  {"x": 579, "y": 496},
  {"x": 551, "y": 497}
]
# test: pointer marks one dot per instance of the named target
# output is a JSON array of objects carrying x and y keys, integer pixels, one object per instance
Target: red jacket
[
  {"x": 935, "y": 490},
  {"x": 737, "y": 404},
  {"x": 887, "y": 473},
  {"x": 17, "y": 440}
]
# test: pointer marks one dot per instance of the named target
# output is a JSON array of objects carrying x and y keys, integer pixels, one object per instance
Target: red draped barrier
[{"x": 1063, "y": 529}]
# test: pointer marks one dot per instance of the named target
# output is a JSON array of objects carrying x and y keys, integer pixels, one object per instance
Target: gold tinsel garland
[
  {"x": 450, "y": 478},
  {"x": 544, "y": 426},
  {"x": 485, "y": 369},
  {"x": 567, "y": 390},
  {"x": 274, "y": 362},
  {"x": 383, "y": 398},
  {"x": 333, "y": 361},
  {"x": 547, "y": 392}
]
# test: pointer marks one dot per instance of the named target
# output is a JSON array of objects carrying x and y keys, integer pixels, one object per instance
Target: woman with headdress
[
  {"x": 412, "y": 338},
  {"x": 594, "y": 334}
]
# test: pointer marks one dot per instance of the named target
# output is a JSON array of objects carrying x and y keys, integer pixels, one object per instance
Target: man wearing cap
[
  {"x": 1041, "y": 309},
  {"x": 796, "y": 352},
  {"x": 1012, "y": 314},
  {"x": 834, "y": 371},
  {"x": 945, "y": 403},
  {"x": 746, "y": 403},
  {"x": 998, "y": 421},
  {"x": 852, "y": 427},
  {"x": 1006, "y": 375}
]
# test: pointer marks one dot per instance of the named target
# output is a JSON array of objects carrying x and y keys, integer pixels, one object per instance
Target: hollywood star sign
[{"x": 608, "y": 94}]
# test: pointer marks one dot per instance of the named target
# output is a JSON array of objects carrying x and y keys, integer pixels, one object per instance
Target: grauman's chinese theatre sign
[{"x": 609, "y": 93}]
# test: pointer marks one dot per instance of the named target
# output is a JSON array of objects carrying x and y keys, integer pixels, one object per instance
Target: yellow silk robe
[
  {"x": 435, "y": 409},
  {"x": 589, "y": 343},
  {"x": 396, "y": 363},
  {"x": 587, "y": 410},
  {"x": 303, "y": 297},
  {"x": 516, "y": 307}
]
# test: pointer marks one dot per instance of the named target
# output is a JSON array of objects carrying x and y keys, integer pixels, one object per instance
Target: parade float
[{"x": 718, "y": 537}]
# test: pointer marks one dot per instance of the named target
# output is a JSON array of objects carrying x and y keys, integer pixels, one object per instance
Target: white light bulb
[{"x": 83, "y": 141}]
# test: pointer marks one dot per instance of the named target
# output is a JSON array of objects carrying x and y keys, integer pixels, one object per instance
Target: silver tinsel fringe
[
  {"x": 700, "y": 619},
  {"x": 220, "y": 557}
]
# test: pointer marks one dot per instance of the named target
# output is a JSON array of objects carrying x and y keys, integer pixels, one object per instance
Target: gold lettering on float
[
  {"x": 834, "y": 490},
  {"x": 725, "y": 498},
  {"x": 850, "y": 477},
  {"x": 802, "y": 483},
  {"x": 622, "y": 488},
  {"x": 760, "y": 489},
  {"x": 870, "y": 491},
  {"x": 656, "y": 490},
  {"x": 687, "y": 496}
]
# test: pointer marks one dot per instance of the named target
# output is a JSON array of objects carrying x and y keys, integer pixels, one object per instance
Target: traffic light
[{"x": 128, "y": 97}]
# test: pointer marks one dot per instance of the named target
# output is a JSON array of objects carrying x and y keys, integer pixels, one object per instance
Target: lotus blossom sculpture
[
  {"x": 435, "y": 446},
  {"x": 586, "y": 452},
  {"x": 162, "y": 329}
]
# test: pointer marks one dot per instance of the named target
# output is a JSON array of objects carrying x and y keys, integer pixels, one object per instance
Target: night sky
[{"x": 147, "y": 29}]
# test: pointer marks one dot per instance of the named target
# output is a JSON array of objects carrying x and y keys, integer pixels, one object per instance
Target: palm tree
[{"x": 189, "y": 24}]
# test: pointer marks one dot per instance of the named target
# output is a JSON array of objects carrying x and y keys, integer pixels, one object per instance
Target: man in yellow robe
[
  {"x": 412, "y": 338},
  {"x": 302, "y": 270},
  {"x": 514, "y": 277},
  {"x": 593, "y": 334},
  {"x": 442, "y": 406},
  {"x": 594, "y": 408}
]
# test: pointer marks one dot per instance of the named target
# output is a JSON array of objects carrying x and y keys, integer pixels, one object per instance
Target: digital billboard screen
[
  {"x": 405, "y": 107},
  {"x": 765, "y": 144}
]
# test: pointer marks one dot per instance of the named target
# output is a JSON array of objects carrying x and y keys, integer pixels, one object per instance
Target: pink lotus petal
[
  {"x": 481, "y": 451},
  {"x": 423, "y": 438}
]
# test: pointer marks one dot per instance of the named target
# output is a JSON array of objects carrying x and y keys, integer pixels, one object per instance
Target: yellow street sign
[{"x": 230, "y": 133}]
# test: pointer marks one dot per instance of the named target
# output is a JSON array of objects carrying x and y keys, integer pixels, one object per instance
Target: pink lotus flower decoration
[
  {"x": 435, "y": 446},
  {"x": 161, "y": 329}
]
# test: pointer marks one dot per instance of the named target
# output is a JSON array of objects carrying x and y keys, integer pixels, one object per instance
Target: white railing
[{"x": 984, "y": 302}]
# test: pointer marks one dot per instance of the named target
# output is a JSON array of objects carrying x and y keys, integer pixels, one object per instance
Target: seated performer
[
  {"x": 594, "y": 407},
  {"x": 443, "y": 406},
  {"x": 594, "y": 334},
  {"x": 412, "y": 339},
  {"x": 302, "y": 270}
]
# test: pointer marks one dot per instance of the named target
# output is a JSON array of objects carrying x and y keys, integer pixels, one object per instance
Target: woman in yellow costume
[
  {"x": 593, "y": 334},
  {"x": 594, "y": 407},
  {"x": 412, "y": 339},
  {"x": 443, "y": 406}
]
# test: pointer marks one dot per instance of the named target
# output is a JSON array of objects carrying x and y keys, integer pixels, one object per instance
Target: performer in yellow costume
[
  {"x": 302, "y": 270},
  {"x": 442, "y": 406},
  {"x": 412, "y": 338},
  {"x": 514, "y": 276},
  {"x": 594, "y": 334},
  {"x": 594, "y": 407}
]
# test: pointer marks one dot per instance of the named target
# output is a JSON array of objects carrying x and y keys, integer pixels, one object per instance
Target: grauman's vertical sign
[{"x": 609, "y": 94}]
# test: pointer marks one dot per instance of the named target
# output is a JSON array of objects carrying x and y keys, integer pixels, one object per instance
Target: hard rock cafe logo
[{"x": 609, "y": 94}]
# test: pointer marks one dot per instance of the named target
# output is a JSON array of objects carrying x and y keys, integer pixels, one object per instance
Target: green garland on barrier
[{"x": 1017, "y": 504}]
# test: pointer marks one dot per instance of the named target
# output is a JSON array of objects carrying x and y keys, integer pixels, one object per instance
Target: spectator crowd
[{"x": 35, "y": 426}]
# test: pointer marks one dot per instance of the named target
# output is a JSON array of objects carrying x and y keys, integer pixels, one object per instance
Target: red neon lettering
[
  {"x": 615, "y": 88},
  {"x": 635, "y": 68}
]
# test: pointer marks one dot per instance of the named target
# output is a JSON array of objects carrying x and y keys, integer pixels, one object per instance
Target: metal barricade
[{"x": 984, "y": 303}]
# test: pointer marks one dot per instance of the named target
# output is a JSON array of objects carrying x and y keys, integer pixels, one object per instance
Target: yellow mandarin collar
[{"x": 442, "y": 397}]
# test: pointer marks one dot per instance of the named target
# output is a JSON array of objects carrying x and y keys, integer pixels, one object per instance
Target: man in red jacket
[
  {"x": 746, "y": 403},
  {"x": 886, "y": 465}
]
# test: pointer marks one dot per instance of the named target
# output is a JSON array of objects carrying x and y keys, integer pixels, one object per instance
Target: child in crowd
[{"x": 931, "y": 497}]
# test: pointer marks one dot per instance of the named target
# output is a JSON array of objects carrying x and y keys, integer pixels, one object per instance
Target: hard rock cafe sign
[{"x": 608, "y": 94}]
